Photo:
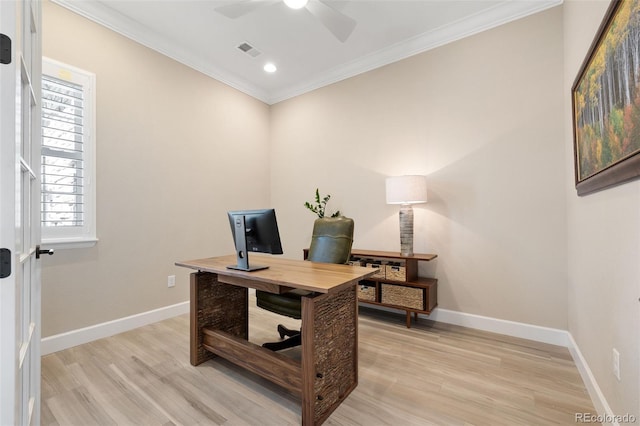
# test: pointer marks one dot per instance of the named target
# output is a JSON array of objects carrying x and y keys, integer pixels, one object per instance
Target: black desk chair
[{"x": 330, "y": 243}]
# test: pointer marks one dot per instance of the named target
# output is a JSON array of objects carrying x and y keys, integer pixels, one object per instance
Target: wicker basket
[
  {"x": 407, "y": 297},
  {"x": 355, "y": 262},
  {"x": 367, "y": 292},
  {"x": 379, "y": 266},
  {"x": 396, "y": 272}
]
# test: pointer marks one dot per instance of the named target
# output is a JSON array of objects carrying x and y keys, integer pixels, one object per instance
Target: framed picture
[{"x": 606, "y": 103}]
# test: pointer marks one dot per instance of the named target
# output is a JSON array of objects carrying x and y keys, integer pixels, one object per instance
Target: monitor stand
[
  {"x": 243, "y": 264},
  {"x": 241, "y": 250}
]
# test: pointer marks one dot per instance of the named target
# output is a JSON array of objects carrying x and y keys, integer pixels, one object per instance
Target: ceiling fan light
[{"x": 296, "y": 4}]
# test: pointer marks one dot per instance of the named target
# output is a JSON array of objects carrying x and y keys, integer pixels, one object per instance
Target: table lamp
[{"x": 406, "y": 190}]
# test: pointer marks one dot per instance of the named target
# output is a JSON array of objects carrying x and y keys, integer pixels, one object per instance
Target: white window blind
[
  {"x": 62, "y": 151},
  {"x": 67, "y": 168}
]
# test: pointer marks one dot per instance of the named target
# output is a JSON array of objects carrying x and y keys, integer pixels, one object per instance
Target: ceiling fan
[{"x": 340, "y": 25}]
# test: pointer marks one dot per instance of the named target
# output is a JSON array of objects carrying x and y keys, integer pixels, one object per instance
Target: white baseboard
[
  {"x": 72, "y": 338},
  {"x": 549, "y": 335},
  {"x": 510, "y": 328},
  {"x": 599, "y": 401},
  {"x": 537, "y": 333}
]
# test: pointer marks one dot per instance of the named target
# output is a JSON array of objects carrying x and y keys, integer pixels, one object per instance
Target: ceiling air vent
[{"x": 249, "y": 49}]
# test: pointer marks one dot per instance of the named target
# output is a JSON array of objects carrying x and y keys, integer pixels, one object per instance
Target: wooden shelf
[
  {"x": 412, "y": 294},
  {"x": 392, "y": 255}
]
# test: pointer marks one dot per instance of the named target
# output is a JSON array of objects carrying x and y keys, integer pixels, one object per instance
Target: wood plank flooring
[{"x": 431, "y": 374}]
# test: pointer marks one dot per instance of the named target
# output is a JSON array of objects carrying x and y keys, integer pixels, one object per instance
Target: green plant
[{"x": 320, "y": 205}]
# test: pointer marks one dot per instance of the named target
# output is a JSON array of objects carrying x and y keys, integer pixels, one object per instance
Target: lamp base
[{"x": 406, "y": 230}]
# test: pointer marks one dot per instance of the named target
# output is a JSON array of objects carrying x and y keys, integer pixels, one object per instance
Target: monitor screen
[{"x": 254, "y": 231}]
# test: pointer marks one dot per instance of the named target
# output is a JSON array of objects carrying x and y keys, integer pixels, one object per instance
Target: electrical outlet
[
  {"x": 171, "y": 281},
  {"x": 616, "y": 363}
]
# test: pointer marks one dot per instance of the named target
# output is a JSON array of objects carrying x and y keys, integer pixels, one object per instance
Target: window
[{"x": 68, "y": 156}]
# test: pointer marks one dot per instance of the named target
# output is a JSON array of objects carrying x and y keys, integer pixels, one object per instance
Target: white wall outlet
[
  {"x": 171, "y": 281},
  {"x": 616, "y": 363}
]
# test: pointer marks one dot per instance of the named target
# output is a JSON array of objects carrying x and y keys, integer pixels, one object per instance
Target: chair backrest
[{"x": 331, "y": 241}]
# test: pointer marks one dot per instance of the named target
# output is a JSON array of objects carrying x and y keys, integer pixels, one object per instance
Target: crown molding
[
  {"x": 139, "y": 33},
  {"x": 500, "y": 14}
]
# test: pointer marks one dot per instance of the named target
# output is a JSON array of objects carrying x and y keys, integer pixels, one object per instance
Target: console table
[
  {"x": 397, "y": 284},
  {"x": 219, "y": 325}
]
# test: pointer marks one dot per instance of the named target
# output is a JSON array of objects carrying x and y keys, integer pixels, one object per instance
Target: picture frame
[{"x": 606, "y": 103}]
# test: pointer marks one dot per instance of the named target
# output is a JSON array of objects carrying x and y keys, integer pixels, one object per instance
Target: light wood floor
[{"x": 431, "y": 374}]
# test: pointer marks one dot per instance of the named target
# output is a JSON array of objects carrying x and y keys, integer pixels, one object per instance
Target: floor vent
[{"x": 249, "y": 49}]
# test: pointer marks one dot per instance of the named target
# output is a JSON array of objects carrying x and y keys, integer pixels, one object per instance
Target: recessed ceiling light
[
  {"x": 296, "y": 4},
  {"x": 269, "y": 67}
]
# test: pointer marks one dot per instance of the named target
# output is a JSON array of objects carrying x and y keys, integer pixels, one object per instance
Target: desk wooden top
[{"x": 288, "y": 273}]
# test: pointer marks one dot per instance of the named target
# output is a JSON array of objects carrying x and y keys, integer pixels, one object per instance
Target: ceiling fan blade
[
  {"x": 340, "y": 25},
  {"x": 241, "y": 8}
]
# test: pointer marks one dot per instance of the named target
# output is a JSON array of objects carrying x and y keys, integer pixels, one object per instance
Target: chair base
[
  {"x": 284, "y": 331},
  {"x": 294, "y": 338}
]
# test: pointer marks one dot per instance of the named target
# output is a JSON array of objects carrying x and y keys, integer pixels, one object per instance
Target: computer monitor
[{"x": 254, "y": 231}]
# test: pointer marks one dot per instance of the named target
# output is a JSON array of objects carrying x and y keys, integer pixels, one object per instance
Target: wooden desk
[{"x": 328, "y": 370}]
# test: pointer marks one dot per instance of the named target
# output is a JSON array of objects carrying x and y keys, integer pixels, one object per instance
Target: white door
[{"x": 20, "y": 75}]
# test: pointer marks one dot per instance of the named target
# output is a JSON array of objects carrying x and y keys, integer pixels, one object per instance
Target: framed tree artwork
[{"x": 606, "y": 103}]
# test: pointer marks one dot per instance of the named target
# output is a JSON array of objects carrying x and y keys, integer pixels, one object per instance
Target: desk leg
[
  {"x": 329, "y": 353},
  {"x": 214, "y": 304}
]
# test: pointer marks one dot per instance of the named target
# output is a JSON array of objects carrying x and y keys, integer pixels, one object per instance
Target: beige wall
[
  {"x": 603, "y": 248},
  {"x": 482, "y": 118},
  {"x": 172, "y": 152}
]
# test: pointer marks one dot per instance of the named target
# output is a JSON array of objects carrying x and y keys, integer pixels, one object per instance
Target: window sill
[{"x": 68, "y": 243}]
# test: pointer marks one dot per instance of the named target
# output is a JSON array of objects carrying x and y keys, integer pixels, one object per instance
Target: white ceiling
[{"x": 307, "y": 55}]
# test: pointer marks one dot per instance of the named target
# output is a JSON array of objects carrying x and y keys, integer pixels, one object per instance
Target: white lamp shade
[{"x": 406, "y": 189}]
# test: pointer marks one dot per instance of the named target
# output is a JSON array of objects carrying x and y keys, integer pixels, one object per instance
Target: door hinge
[
  {"x": 5, "y": 49},
  {"x": 5, "y": 263}
]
